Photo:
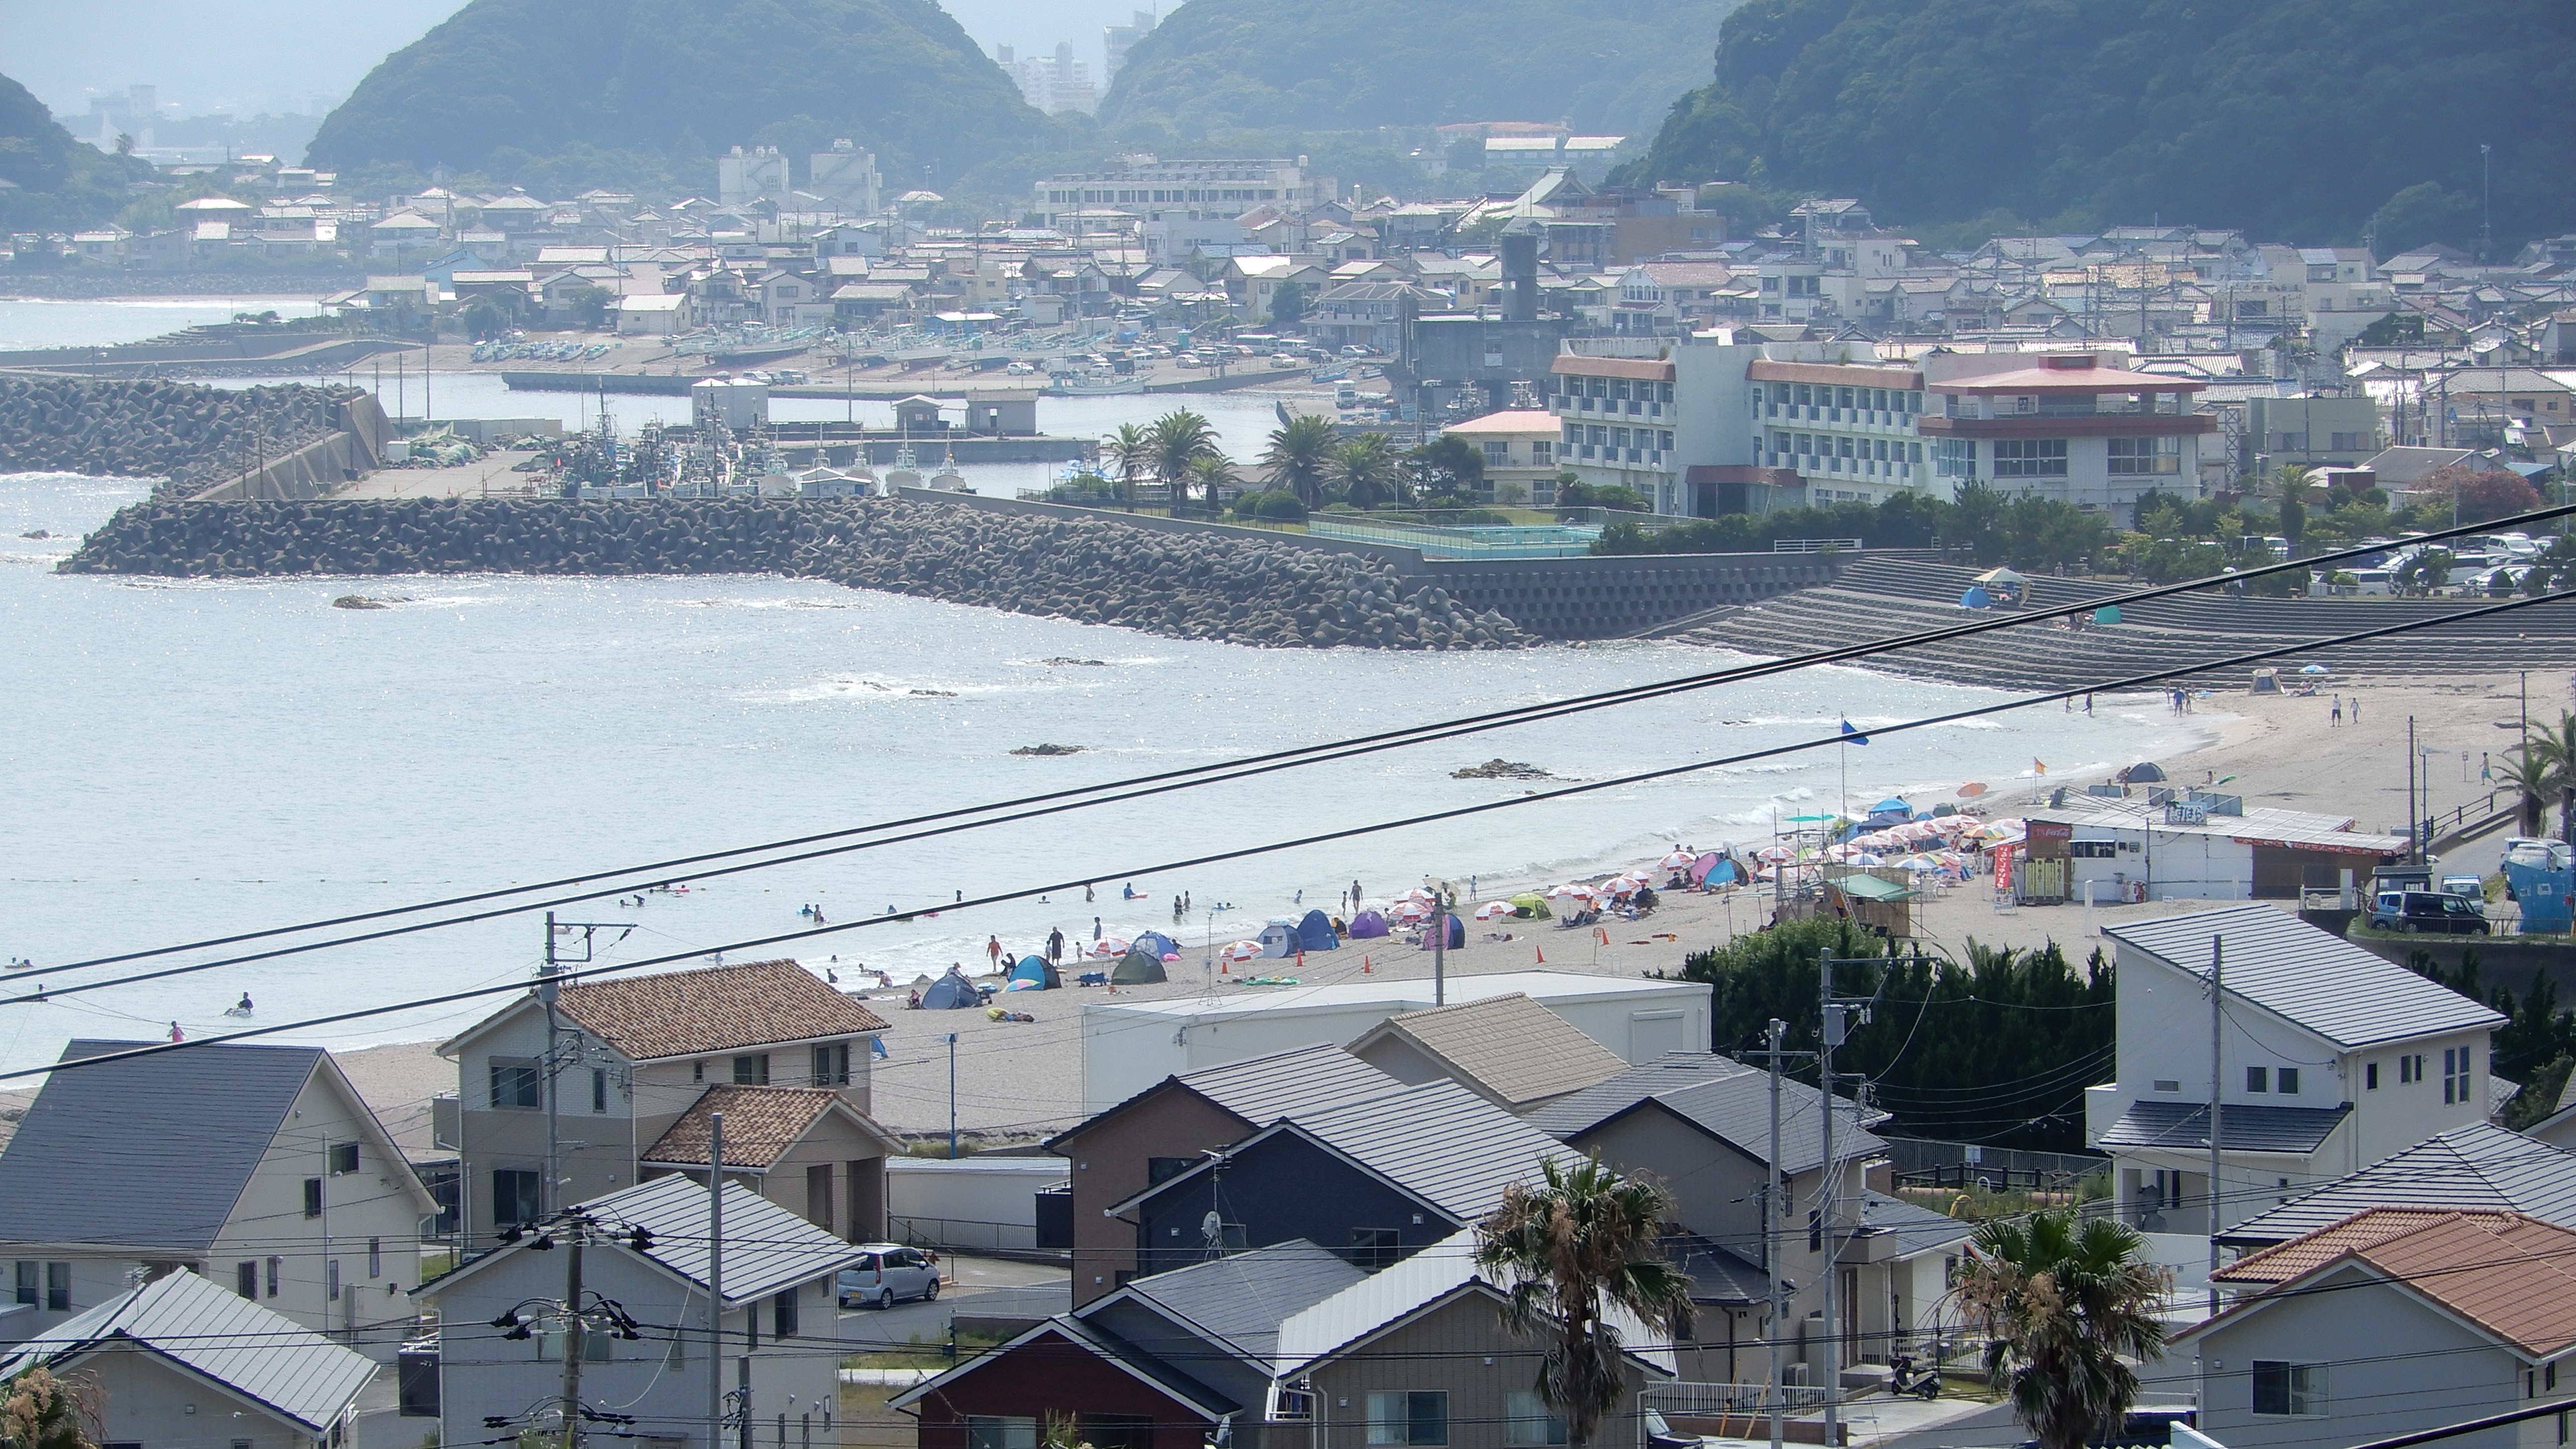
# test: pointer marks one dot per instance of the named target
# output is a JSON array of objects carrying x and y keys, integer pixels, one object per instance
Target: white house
[
  {"x": 780, "y": 1319},
  {"x": 258, "y": 1166},
  {"x": 2195, "y": 849},
  {"x": 181, "y": 1362},
  {"x": 1519, "y": 449},
  {"x": 2330, "y": 1058}
]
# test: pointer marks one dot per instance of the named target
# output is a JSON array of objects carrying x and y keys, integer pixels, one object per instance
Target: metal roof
[
  {"x": 766, "y": 1246},
  {"x": 1517, "y": 1050},
  {"x": 2260, "y": 825},
  {"x": 1261, "y": 1090},
  {"x": 1390, "y": 1295},
  {"x": 1240, "y": 1301},
  {"x": 1722, "y": 1097},
  {"x": 2477, "y": 1166},
  {"x": 1918, "y": 1229},
  {"x": 255, "y": 1351},
  {"x": 151, "y": 1152},
  {"x": 1439, "y": 1141},
  {"x": 2310, "y": 978},
  {"x": 1572, "y": 1116},
  {"x": 1718, "y": 1274},
  {"x": 2246, "y": 1128},
  {"x": 1153, "y": 1372}
]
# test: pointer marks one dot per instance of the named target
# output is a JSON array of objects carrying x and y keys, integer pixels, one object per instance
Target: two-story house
[
  {"x": 259, "y": 1167},
  {"x": 617, "y": 1082},
  {"x": 2329, "y": 1058}
]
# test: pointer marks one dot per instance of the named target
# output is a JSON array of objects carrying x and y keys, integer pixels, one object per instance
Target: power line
[{"x": 1324, "y": 837}]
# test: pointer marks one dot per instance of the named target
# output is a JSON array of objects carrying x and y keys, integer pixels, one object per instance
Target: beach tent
[
  {"x": 1457, "y": 930},
  {"x": 2005, "y": 584},
  {"x": 2144, "y": 772},
  {"x": 1890, "y": 811},
  {"x": 1315, "y": 933},
  {"x": 1367, "y": 925},
  {"x": 1976, "y": 598},
  {"x": 2107, "y": 614},
  {"x": 1532, "y": 904},
  {"x": 1158, "y": 943},
  {"x": 1278, "y": 939},
  {"x": 1139, "y": 967},
  {"x": 1035, "y": 973},
  {"x": 952, "y": 992}
]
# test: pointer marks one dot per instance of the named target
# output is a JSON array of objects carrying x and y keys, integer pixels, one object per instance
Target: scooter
[{"x": 1906, "y": 1383}]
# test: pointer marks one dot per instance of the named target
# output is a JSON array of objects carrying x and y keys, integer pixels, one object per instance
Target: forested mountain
[
  {"x": 54, "y": 181},
  {"x": 1342, "y": 65},
  {"x": 565, "y": 92},
  {"x": 2295, "y": 119}
]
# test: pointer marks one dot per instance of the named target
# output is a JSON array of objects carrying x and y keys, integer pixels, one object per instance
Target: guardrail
[{"x": 1816, "y": 545}]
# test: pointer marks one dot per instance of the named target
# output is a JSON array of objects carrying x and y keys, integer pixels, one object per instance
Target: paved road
[{"x": 987, "y": 1287}]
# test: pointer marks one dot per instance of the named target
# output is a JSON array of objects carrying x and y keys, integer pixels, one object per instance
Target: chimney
[{"x": 1520, "y": 276}]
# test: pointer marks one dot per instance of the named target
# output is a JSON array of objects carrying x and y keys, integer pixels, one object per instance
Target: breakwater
[
  {"x": 1091, "y": 570},
  {"x": 193, "y": 437}
]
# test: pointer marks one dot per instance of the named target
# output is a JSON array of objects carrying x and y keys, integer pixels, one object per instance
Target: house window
[
  {"x": 2093, "y": 849},
  {"x": 599, "y": 1089},
  {"x": 1527, "y": 1421},
  {"x": 2030, "y": 458},
  {"x": 832, "y": 1064},
  {"x": 58, "y": 1287},
  {"x": 2165, "y": 1084},
  {"x": 1001, "y": 1431},
  {"x": 375, "y": 1258},
  {"x": 782, "y": 1314},
  {"x": 2289, "y": 1081},
  {"x": 1815, "y": 1231},
  {"x": 344, "y": 1158},
  {"x": 514, "y": 1196},
  {"x": 2370, "y": 1076},
  {"x": 2289, "y": 1388},
  {"x": 28, "y": 1273},
  {"x": 245, "y": 1280},
  {"x": 1374, "y": 1248},
  {"x": 515, "y": 1087},
  {"x": 2455, "y": 1074},
  {"x": 313, "y": 1197},
  {"x": 698, "y": 1070},
  {"x": 1409, "y": 1417},
  {"x": 751, "y": 1070},
  {"x": 1498, "y": 455},
  {"x": 2257, "y": 1079},
  {"x": 2410, "y": 1069},
  {"x": 331, "y": 1280},
  {"x": 276, "y": 1267},
  {"x": 2146, "y": 455}
]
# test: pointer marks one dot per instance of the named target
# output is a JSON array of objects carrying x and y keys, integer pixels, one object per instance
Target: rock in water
[
  {"x": 1048, "y": 750},
  {"x": 1501, "y": 769},
  {"x": 357, "y": 601}
]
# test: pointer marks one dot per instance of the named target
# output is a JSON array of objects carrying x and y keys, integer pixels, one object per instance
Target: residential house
[
  {"x": 2558, "y": 1129},
  {"x": 2480, "y": 1166},
  {"x": 257, "y": 1166},
  {"x": 2331, "y": 1058},
  {"x": 1163, "y": 1130},
  {"x": 629, "y": 1072},
  {"x": 1520, "y": 451},
  {"x": 2310, "y": 432},
  {"x": 1285, "y": 1345},
  {"x": 653, "y": 314},
  {"x": 1509, "y": 1050},
  {"x": 2393, "y": 1321},
  {"x": 183, "y": 1361},
  {"x": 1365, "y": 314},
  {"x": 1254, "y": 281},
  {"x": 781, "y": 1320},
  {"x": 402, "y": 230}
]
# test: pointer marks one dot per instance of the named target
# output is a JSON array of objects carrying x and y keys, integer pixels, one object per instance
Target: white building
[
  {"x": 2330, "y": 1059},
  {"x": 846, "y": 176},
  {"x": 744, "y": 177},
  {"x": 1519, "y": 449},
  {"x": 2102, "y": 850},
  {"x": 1147, "y": 187},
  {"x": 2070, "y": 426}
]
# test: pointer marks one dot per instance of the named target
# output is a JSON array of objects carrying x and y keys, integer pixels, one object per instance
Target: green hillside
[
  {"x": 54, "y": 181},
  {"x": 2295, "y": 119},
  {"x": 1343, "y": 65},
  {"x": 565, "y": 92}
]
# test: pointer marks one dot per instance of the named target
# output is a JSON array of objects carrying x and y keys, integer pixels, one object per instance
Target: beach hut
[
  {"x": 1367, "y": 925},
  {"x": 1034, "y": 973},
  {"x": 1139, "y": 967},
  {"x": 1315, "y": 933},
  {"x": 952, "y": 992},
  {"x": 1278, "y": 939}
]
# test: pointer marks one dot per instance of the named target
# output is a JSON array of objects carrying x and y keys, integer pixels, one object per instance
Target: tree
[
  {"x": 2426, "y": 571},
  {"x": 1300, "y": 456},
  {"x": 1449, "y": 464},
  {"x": 589, "y": 305},
  {"x": 1599, "y": 495},
  {"x": 1288, "y": 304},
  {"x": 1212, "y": 472},
  {"x": 1175, "y": 442},
  {"x": 486, "y": 317},
  {"x": 2553, "y": 748},
  {"x": 40, "y": 1411},
  {"x": 2061, "y": 1303},
  {"x": 1131, "y": 452},
  {"x": 1364, "y": 468},
  {"x": 1581, "y": 1245},
  {"x": 2476, "y": 494}
]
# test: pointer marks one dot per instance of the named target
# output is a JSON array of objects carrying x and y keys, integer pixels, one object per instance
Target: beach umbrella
[
  {"x": 1240, "y": 951},
  {"x": 1774, "y": 854},
  {"x": 1868, "y": 858},
  {"x": 1678, "y": 860},
  {"x": 1109, "y": 946},
  {"x": 1916, "y": 863},
  {"x": 1411, "y": 912},
  {"x": 1972, "y": 789},
  {"x": 1495, "y": 910},
  {"x": 2315, "y": 669}
]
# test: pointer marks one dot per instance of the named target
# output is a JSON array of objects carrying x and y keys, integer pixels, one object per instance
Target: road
[{"x": 976, "y": 1287}]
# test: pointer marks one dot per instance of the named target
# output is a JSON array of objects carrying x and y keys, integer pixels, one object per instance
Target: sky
[{"x": 279, "y": 56}]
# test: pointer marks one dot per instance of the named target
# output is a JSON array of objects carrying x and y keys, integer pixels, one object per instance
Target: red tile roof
[
  {"x": 761, "y": 1123},
  {"x": 2512, "y": 1275},
  {"x": 718, "y": 1008}
]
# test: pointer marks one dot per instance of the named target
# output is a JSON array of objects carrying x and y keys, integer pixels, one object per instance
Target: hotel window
[
  {"x": 1498, "y": 455},
  {"x": 2030, "y": 458},
  {"x": 1542, "y": 453},
  {"x": 1955, "y": 457},
  {"x": 2146, "y": 455}
]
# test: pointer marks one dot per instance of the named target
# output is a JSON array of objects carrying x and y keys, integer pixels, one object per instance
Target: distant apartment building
[
  {"x": 1054, "y": 84},
  {"x": 846, "y": 176},
  {"x": 1149, "y": 189},
  {"x": 2068, "y": 426},
  {"x": 1117, "y": 40},
  {"x": 744, "y": 177}
]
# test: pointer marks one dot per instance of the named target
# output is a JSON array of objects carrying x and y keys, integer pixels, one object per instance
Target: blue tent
[
  {"x": 1157, "y": 943},
  {"x": 1891, "y": 806},
  {"x": 1367, "y": 925},
  {"x": 1457, "y": 931},
  {"x": 1976, "y": 598},
  {"x": 952, "y": 992},
  {"x": 1278, "y": 940},
  {"x": 1034, "y": 973},
  {"x": 1315, "y": 933}
]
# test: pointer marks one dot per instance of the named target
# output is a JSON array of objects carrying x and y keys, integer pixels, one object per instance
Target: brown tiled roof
[
  {"x": 1509, "y": 1048},
  {"x": 761, "y": 1123},
  {"x": 2304, "y": 1255},
  {"x": 719, "y": 1008},
  {"x": 2512, "y": 1275}
]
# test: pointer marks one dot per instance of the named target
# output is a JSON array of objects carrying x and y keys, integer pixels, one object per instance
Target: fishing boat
[{"x": 1100, "y": 385}]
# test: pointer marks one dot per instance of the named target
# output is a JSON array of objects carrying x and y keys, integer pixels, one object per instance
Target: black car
[{"x": 2429, "y": 912}]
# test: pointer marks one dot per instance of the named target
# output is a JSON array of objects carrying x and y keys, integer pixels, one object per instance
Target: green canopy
[
  {"x": 1871, "y": 888},
  {"x": 1531, "y": 904}
]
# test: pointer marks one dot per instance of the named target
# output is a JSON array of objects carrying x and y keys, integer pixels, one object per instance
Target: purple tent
[{"x": 1367, "y": 924}]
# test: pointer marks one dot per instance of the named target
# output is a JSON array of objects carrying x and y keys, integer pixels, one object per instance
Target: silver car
[{"x": 889, "y": 1272}]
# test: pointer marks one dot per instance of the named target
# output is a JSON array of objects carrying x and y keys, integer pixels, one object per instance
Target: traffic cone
[
  {"x": 1603, "y": 932},
  {"x": 1225, "y": 965},
  {"x": 1364, "y": 966},
  {"x": 1542, "y": 955}
]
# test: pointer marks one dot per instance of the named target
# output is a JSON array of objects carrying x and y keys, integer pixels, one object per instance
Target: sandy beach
[{"x": 1019, "y": 1079}]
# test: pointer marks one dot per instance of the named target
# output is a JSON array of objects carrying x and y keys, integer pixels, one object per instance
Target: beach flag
[
  {"x": 1852, "y": 736},
  {"x": 2038, "y": 767}
]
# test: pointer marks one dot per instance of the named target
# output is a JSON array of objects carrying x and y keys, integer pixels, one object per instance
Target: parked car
[
  {"x": 2466, "y": 887},
  {"x": 890, "y": 1272},
  {"x": 2429, "y": 912}
]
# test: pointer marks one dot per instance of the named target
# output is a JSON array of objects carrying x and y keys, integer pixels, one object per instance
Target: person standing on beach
[
  {"x": 993, "y": 951},
  {"x": 1355, "y": 893},
  {"x": 2334, "y": 720},
  {"x": 2356, "y": 709},
  {"x": 1095, "y": 932}
]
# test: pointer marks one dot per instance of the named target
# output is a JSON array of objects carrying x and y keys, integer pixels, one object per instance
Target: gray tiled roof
[
  {"x": 1720, "y": 1096},
  {"x": 1261, "y": 1090},
  {"x": 1917, "y": 1228},
  {"x": 2477, "y": 1166},
  {"x": 2319, "y": 980},
  {"x": 2246, "y": 1128},
  {"x": 1242, "y": 1300},
  {"x": 253, "y": 1350},
  {"x": 1571, "y": 1116},
  {"x": 152, "y": 1152},
  {"x": 1521, "y": 1052},
  {"x": 766, "y": 1246},
  {"x": 1718, "y": 1275},
  {"x": 1440, "y": 1141}
]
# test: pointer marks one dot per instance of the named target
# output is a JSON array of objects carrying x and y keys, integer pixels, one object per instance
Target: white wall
[
  {"x": 149, "y": 1402},
  {"x": 2182, "y": 866},
  {"x": 973, "y": 1202}
]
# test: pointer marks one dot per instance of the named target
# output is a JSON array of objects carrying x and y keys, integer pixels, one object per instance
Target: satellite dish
[{"x": 1212, "y": 1228}]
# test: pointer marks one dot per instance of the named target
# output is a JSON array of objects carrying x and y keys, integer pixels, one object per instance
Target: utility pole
[
  {"x": 2217, "y": 1081},
  {"x": 2414, "y": 825},
  {"x": 1771, "y": 1214},
  {"x": 1440, "y": 946},
  {"x": 1828, "y": 1191},
  {"x": 715, "y": 1279},
  {"x": 548, "y": 1191},
  {"x": 573, "y": 1341},
  {"x": 2486, "y": 202},
  {"x": 952, "y": 1094}
]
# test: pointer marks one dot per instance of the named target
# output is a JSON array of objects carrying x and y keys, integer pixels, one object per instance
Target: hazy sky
[{"x": 278, "y": 55}]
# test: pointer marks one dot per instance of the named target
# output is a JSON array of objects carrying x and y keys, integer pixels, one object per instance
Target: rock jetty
[
  {"x": 1093, "y": 571},
  {"x": 191, "y": 436}
]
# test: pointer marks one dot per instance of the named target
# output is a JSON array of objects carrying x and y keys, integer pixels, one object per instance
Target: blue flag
[{"x": 1852, "y": 736}]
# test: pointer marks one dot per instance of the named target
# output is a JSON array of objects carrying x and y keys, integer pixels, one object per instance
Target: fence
[
  {"x": 1710, "y": 1401},
  {"x": 1815, "y": 545},
  {"x": 1920, "y": 1162}
]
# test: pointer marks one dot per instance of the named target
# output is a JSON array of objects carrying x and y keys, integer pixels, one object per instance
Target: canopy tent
[
  {"x": 2005, "y": 584},
  {"x": 1367, "y": 925},
  {"x": 1457, "y": 931},
  {"x": 952, "y": 992},
  {"x": 1278, "y": 939},
  {"x": 1158, "y": 943},
  {"x": 1035, "y": 973},
  {"x": 1138, "y": 967},
  {"x": 1531, "y": 904},
  {"x": 1315, "y": 933}
]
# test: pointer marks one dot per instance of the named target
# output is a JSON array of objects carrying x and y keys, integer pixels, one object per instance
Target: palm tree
[
  {"x": 1569, "y": 1252},
  {"x": 2535, "y": 778},
  {"x": 2061, "y": 1305},
  {"x": 1365, "y": 469},
  {"x": 1211, "y": 471},
  {"x": 2554, "y": 749},
  {"x": 1131, "y": 452},
  {"x": 1298, "y": 455},
  {"x": 1177, "y": 440}
]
